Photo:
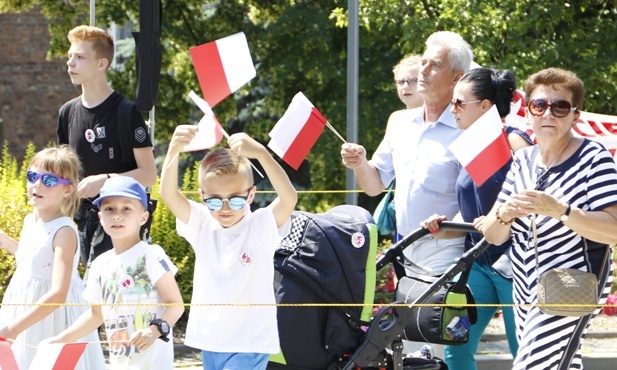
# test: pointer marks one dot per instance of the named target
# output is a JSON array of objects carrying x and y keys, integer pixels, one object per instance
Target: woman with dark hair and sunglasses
[
  {"x": 559, "y": 200},
  {"x": 47, "y": 255},
  {"x": 490, "y": 278}
]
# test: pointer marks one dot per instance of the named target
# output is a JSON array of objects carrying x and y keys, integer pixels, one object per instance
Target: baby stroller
[{"x": 325, "y": 285}]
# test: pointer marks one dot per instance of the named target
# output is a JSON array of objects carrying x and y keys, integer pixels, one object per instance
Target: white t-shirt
[
  {"x": 130, "y": 277},
  {"x": 234, "y": 273}
]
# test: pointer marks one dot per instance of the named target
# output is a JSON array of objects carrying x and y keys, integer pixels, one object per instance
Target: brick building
[{"x": 32, "y": 89}]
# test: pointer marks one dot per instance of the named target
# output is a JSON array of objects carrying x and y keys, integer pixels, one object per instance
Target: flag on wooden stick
[
  {"x": 296, "y": 132},
  {"x": 483, "y": 148}
]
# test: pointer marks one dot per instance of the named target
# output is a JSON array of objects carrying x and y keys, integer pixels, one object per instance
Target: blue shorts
[{"x": 234, "y": 361}]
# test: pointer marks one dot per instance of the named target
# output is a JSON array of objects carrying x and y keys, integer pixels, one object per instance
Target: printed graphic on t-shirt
[{"x": 129, "y": 292}]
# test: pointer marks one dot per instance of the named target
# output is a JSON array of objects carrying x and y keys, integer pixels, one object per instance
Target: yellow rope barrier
[
  {"x": 297, "y": 191},
  {"x": 308, "y": 305}
]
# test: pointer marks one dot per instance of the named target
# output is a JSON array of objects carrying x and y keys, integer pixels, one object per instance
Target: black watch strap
[
  {"x": 163, "y": 328},
  {"x": 568, "y": 210}
]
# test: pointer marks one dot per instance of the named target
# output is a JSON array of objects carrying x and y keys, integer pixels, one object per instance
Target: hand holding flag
[
  {"x": 209, "y": 130},
  {"x": 296, "y": 132},
  {"x": 483, "y": 148}
]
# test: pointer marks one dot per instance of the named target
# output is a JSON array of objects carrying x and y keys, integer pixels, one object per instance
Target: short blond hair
[
  {"x": 102, "y": 42},
  {"x": 408, "y": 62},
  {"x": 64, "y": 162},
  {"x": 223, "y": 161}
]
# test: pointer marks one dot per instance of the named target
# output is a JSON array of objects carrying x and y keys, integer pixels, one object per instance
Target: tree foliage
[{"x": 300, "y": 45}]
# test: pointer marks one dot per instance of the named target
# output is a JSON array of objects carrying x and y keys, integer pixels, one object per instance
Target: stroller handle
[
  {"x": 396, "y": 251},
  {"x": 389, "y": 322}
]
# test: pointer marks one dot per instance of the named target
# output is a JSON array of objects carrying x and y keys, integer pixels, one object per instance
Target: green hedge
[{"x": 13, "y": 206}]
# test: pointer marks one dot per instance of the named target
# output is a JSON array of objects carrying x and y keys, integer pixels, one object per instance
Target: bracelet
[{"x": 501, "y": 221}]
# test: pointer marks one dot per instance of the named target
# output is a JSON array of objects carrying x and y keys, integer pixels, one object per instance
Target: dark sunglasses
[
  {"x": 559, "y": 108},
  {"x": 236, "y": 203},
  {"x": 47, "y": 179},
  {"x": 459, "y": 104}
]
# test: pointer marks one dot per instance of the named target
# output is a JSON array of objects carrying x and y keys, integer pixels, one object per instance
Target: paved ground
[{"x": 599, "y": 349}]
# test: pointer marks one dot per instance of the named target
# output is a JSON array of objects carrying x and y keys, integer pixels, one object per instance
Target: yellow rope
[
  {"x": 297, "y": 191},
  {"x": 308, "y": 305}
]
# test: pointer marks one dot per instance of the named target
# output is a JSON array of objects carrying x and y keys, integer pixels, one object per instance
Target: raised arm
[
  {"x": 285, "y": 203},
  {"x": 354, "y": 157},
  {"x": 173, "y": 198}
]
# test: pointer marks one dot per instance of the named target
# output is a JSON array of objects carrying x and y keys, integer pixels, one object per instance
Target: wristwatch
[
  {"x": 566, "y": 216},
  {"x": 163, "y": 327}
]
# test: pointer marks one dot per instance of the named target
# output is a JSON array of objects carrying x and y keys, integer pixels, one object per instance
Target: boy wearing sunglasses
[
  {"x": 132, "y": 288},
  {"x": 233, "y": 313}
]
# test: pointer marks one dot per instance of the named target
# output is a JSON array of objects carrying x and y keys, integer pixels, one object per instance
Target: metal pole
[
  {"x": 353, "y": 36},
  {"x": 151, "y": 121},
  {"x": 92, "y": 12}
]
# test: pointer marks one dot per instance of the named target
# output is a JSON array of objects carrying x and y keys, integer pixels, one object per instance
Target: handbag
[
  {"x": 385, "y": 215},
  {"x": 435, "y": 324},
  {"x": 574, "y": 292}
]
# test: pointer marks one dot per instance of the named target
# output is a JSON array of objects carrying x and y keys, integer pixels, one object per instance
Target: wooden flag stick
[{"x": 328, "y": 125}]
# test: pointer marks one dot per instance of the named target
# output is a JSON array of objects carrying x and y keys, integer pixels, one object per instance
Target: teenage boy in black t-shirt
[{"x": 93, "y": 131}]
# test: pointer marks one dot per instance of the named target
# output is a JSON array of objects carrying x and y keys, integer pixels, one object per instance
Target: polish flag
[
  {"x": 209, "y": 130},
  {"x": 57, "y": 356},
  {"x": 296, "y": 132},
  {"x": 483, "y": 148},
  {"x": 223, "y": 66},
  {"x": 7, "y": 359}
]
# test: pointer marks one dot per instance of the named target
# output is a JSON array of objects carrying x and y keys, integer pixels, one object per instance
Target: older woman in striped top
[{"x": 567, "y": 186}]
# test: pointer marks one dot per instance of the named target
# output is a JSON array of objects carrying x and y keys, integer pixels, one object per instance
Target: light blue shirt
[{"x": 417, "y": 155}]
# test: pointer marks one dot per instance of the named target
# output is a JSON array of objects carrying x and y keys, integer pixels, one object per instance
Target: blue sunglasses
[
  {"x": 236, "y": 203},
  {"x": 47, "y": 179}
]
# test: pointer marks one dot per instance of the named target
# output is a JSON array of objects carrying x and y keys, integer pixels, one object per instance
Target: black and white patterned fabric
[{"x": 292, "y": 241}]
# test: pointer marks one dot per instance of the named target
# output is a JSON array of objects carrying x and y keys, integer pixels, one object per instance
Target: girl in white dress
[{"x": 46, "y": 257}]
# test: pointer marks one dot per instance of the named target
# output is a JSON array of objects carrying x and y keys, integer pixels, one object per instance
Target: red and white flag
[
  {"x": 209, "y": 132},
  {"x": 483, "y": 148},
  {"x": 57, "y": 356},
  {"x": 223, "y": 66},
  {"x": 296, "y": 132},
  {"x": 7, "y": 359}
]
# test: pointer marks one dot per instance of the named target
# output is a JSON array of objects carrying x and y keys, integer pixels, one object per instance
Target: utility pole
[{"x": 353, "y": 36}]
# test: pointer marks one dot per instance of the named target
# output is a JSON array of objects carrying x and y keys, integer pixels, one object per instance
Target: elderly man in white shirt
[{"x": 415, "y": 152}]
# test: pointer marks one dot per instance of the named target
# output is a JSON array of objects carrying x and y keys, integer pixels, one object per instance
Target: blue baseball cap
[{"x": 122, "y": 186}]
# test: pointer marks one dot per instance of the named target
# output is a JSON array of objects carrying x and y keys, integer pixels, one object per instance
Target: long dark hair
[{"x": 498, "y": 86}]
